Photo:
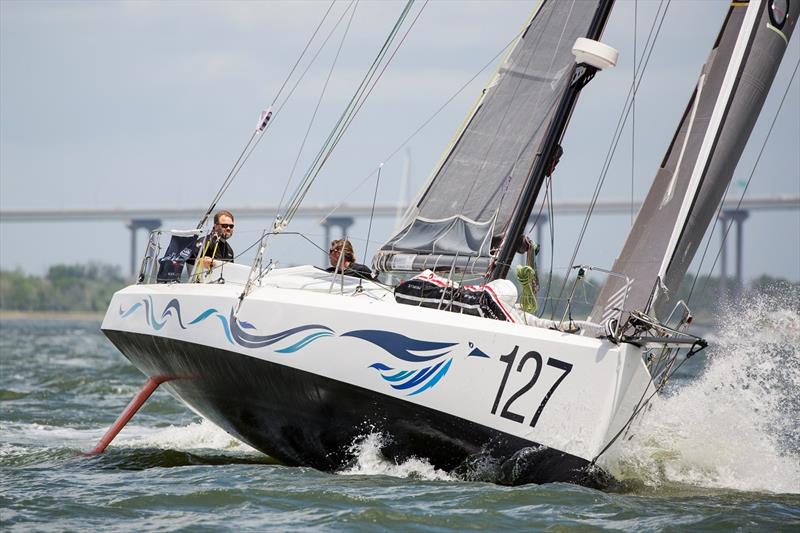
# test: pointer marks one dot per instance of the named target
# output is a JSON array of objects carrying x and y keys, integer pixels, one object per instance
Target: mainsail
[
  {"x": 472, "y": 194},
  {"x": 701, "y": 158}
]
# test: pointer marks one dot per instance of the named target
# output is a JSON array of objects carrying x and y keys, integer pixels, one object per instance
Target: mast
[{"x": 582, "y": 74}]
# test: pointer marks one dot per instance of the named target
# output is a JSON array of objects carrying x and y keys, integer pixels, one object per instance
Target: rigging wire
[
  {"x": 385, "y": 66},
  {"x": 427, "y": 121},
  {"x": 744, "y": 192},
  {"x": 319, "y": 103},
  {"x": 618, "y": 131},
  {"x": 294, "y": 87},
  {"x": 522, "y": 148},
  {"x": 363, "y": 100},
  {"x": 314, "y": 58},
  {"x": 633, "y": 103},
  {"x": 551, "y": 231},
  {"x": 713, "y": 266},
  {"x": 305, "y": 49},
  {"x": 327, "y": 146},
  {"x": 239, "y": 162},
  {"x": 643, "y": 402},
  {"x": 341, "y": 124},
  {"x": 372, "y": 214}
]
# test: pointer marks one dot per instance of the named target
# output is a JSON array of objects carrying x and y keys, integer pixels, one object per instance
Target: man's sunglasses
[{"x": 226, "y": 226}]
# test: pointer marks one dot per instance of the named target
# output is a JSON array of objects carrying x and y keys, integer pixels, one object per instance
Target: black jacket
[
  {"x": 214, "y": 247},
  {"x": 355, "y": 269}
]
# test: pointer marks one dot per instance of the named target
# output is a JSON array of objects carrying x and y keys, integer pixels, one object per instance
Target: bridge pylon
[{"x": 135, "y": 224}]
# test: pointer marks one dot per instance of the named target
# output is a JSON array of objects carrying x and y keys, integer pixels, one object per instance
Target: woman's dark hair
[{"x": 344, "y": 246}]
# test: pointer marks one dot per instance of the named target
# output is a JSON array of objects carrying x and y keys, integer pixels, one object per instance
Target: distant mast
[{"x": 701, "y": 158}]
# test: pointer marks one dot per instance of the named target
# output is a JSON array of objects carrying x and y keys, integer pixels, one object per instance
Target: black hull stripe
[{"x": 301, "y": 418}]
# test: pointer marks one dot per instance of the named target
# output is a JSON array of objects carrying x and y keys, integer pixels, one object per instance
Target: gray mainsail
[
  {"x": 471, "y": 195},
  {"x": 701, "y": 158}
]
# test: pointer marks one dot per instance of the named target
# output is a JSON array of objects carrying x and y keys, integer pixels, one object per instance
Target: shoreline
[{"x": 51, "y": 315}]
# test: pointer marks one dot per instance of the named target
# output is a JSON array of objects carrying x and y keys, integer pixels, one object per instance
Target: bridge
[
  {"x": 344, "y": 210},
  {"x": 343, "y": 216}
]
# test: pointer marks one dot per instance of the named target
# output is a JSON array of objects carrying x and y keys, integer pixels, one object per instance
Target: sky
[{"x": 148, "y": 104}]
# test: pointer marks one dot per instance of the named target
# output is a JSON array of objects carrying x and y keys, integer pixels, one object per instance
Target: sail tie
[{"x": 529, "y": 281}]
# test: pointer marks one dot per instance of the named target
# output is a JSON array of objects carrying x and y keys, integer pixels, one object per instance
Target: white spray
[{"x": 737, "y": 426}]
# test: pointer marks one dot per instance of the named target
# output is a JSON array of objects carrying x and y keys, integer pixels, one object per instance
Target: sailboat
[{"x": 302, "y": 363}]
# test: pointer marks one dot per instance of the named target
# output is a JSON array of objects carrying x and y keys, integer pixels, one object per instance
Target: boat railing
[
  {"x": 613, "y": 324},
  {"x": 172, "y": 265},
  {"x": 261, "y": 266},
  {"x": 151, "y": 252}
]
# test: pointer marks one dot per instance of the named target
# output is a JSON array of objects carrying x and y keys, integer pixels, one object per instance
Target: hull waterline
[{"x": 303, "y": 419}]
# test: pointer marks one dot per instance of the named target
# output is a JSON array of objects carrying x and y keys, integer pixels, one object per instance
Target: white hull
[{"x": 524, "y": 385}]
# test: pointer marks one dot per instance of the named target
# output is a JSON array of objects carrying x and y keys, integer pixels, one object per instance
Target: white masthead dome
[{"x": 594, "y": 53}]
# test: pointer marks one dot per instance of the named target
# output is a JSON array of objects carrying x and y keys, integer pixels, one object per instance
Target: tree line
[
  {"x": 89, "y": 287},
  {"x": 86, "y": 287}
]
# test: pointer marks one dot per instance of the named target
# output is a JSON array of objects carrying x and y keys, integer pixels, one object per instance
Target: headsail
[
  {"x": 701, "y": 159},
  {"x": 472, "y": 194}
]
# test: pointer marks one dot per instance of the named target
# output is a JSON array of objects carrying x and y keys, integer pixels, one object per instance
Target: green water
[{"x": 709, "y": 461}]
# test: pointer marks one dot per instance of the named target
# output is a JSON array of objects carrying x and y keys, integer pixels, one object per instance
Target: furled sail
[
  {"x": 471, "y": 195},
  {"x": 701, "y": 159}
]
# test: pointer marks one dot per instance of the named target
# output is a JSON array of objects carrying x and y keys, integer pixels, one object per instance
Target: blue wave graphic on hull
[
  {"x": 305, "y": 341},
  {"x": 423, "y": 378},
  {"x": 233, "y": 329},
  {"x": 401, "y": 346},
  {"x": 411, "y": 350}
]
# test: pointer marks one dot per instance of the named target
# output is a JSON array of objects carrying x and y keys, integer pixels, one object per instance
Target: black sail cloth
[
  {"x": 700, "y": 161},
  {"x": 472, "y": 194}
]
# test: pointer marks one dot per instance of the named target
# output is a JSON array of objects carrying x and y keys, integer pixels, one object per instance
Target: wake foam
[
  {"x": 26, "y": 437},
  {"x": 736, "y": 426},
  {"x": 370, "y": 461},
  {"x": 201, "y": 435}
]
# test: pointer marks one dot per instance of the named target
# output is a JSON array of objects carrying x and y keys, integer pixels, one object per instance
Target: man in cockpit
[{"x": 215, "y": 247}]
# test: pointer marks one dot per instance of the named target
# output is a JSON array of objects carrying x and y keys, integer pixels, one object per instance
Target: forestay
[
  {"x": 701, "y": 159},
  {"x": 472, "y": 193}
]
